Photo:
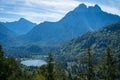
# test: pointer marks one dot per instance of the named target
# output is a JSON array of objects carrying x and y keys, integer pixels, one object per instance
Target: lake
[{"x": 33, "y": 62}]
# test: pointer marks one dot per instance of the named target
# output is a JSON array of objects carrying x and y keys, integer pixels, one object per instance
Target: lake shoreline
[{"x": 33, "y": 62}]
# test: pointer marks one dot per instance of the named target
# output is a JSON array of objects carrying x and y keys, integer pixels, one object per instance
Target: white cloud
[
  {"x": 110, "y": 10},
  {"x": 48, "y": 10},
  {"x": 43, "y": 10},
  {"x": 6, "y": 19},
  {"x": 36, "y": 17}
]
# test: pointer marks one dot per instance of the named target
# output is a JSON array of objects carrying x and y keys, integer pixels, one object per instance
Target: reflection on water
[{"x": 33, "y": 62}]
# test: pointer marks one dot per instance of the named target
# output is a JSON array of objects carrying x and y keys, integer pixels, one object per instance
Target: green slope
[{"x": 98, "y": 40}]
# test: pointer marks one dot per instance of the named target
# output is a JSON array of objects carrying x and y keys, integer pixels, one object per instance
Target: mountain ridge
[
  {"x": 53, "y": 34},
  {"x": 98, "y": 40},
  {"x": 73, "y": 24},
  {"x": 6, "y": 36},
  {"x": 21, "y": 26}
]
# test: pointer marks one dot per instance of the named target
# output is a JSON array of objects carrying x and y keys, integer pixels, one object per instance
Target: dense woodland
[
  {"x": 11, "y": 69},
  {"x": 85, "y": 68}
]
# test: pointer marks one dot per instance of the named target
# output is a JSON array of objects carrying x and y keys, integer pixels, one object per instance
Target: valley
[
  {"x": 47, "y": 36},
  {"x": 83, "y": 45}
]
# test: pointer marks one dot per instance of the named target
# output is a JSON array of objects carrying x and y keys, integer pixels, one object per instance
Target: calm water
[{"x": 33, "y": 62}]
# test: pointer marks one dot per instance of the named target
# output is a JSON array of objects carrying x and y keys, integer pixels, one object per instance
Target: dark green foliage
[
  {"x": 77, "y": 69},
  {"x": 1, "y": 52},
  {"x": 108, "y": 67},
  {"x": 9, "y": 68},
  {"x": 59, "y": 73},
  {"x": 50, "y": 71},
  {"x": 98, "y": 40},
  {"x": 83, "y": 67},
  {"x": 90, "y": 73},
  {"x": 32, "y": 50},
  {"x": 1, "y": 63},
  {"x": 50, "y": 67},
  {"x": 111, "y": 65}
]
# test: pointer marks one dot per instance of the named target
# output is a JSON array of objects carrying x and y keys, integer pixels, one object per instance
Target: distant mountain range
[
  {"x": 6, "y": 35},
  {"x": 22, "y": 26},
  {"x": 75, "y": 23},
  {"x": 51, "y": 34},
  {"x": 98, "y": 40}
]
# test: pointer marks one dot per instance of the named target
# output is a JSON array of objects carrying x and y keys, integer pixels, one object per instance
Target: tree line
[
  {"x": 86, "y": 69},
  {"x": 10, "y": 69}
]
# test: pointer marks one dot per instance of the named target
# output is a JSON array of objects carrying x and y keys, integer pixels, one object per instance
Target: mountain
[
  {"x": 52, "y": 34},
  {"x": 6, "y": 36},
  {"x": 22, "y": 26},
  {"x": 98, "y": 40},
  {"x": 82, "y": 19}
]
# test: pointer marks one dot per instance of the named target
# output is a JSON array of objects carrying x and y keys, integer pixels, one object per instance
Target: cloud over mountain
[{"x": 43, "y": 10}]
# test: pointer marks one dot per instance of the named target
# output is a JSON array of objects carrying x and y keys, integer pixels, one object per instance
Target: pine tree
[
  {"x": 50, "y": 67},
  {"x": 2, "y": 65},
  {"x": 90, "y": 71},
  {"x": 1, "y": 52},
  {"x": 9, "y": 68},
  {"x": 86, "y": 68},
  {"x": 108, "y": 66},
  {"x": 111, "y": 65}
]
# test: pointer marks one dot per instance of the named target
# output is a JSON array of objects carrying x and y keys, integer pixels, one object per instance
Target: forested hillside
[{"x": 98, "y": 40}]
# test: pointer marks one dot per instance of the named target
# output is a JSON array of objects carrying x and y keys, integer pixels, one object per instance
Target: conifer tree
[
  {"x": 2, "y": 68},
  {"x": 1, "y": 52},
  {"x": 108, "y": 66},
  {"x": 90, "y": 71},
  {"x": 111, "y": 65},
  {"x": 9, "y": 68},
  {"x": 50, "y": 67}
]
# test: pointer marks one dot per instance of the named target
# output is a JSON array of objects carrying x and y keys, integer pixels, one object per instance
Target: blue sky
[{"x": 48, "y": 10}]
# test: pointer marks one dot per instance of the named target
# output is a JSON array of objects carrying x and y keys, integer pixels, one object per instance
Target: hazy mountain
[
  {"x": 75, "y": 23},
  {"x": 50, "y": 34},
  {"x": 6, "y": 36},
  {"x": 21, "y": 26},
  {"x": 98, "y": 40}
]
